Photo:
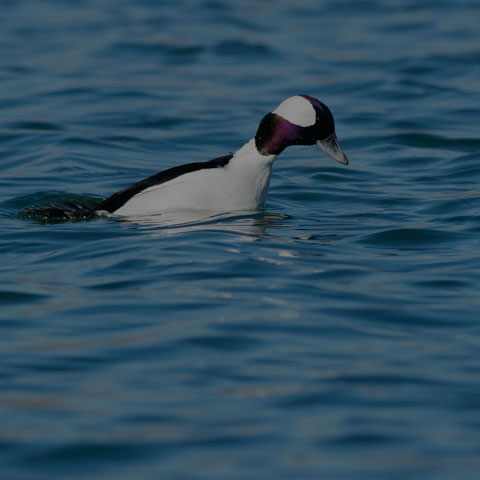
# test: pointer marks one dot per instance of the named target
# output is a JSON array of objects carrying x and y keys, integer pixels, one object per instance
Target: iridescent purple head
[{"x": 299, "y": 120}]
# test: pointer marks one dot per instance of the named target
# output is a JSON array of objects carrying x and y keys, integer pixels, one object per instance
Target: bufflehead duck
[{"x": 238, "y": 181}]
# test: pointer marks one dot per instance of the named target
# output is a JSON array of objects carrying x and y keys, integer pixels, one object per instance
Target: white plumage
[{"x": 241, "y": 185}]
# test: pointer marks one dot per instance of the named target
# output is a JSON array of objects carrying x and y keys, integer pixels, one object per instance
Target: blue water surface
[{"x": 335, "y": 335}]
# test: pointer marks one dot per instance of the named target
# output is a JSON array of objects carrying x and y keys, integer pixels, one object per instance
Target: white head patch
[{"x": 297, "y": 110}]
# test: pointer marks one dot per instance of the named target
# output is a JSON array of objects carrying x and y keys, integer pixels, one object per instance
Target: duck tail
[{"x": 69, "y": 209}]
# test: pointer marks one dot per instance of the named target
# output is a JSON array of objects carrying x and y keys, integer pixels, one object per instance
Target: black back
[{"x": 118, "y": 199}]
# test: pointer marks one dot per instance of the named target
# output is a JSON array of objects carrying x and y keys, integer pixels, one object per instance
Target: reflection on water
[{"x": 253, "y": 224}]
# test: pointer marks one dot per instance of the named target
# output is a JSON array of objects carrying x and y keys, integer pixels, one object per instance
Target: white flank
[{"x": 241, "y": 185}]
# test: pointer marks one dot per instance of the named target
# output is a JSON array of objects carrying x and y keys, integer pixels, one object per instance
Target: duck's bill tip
[{"x": 331, "y": 147}]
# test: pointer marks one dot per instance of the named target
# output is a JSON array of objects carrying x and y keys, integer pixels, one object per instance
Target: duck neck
[{"x": 249, "y": 152}]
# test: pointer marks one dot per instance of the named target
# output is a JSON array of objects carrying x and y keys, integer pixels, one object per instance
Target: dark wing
[{"x": 117, "y": 200}]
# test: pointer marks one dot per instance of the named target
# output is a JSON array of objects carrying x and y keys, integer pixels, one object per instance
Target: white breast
[{"x": 241, "y": 185}]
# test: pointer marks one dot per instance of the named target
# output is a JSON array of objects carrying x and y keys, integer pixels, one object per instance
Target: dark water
[{"x": 335, "y": 335}]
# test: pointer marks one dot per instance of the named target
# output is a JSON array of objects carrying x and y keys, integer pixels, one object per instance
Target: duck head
[{"x": 299, "y": 120}]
